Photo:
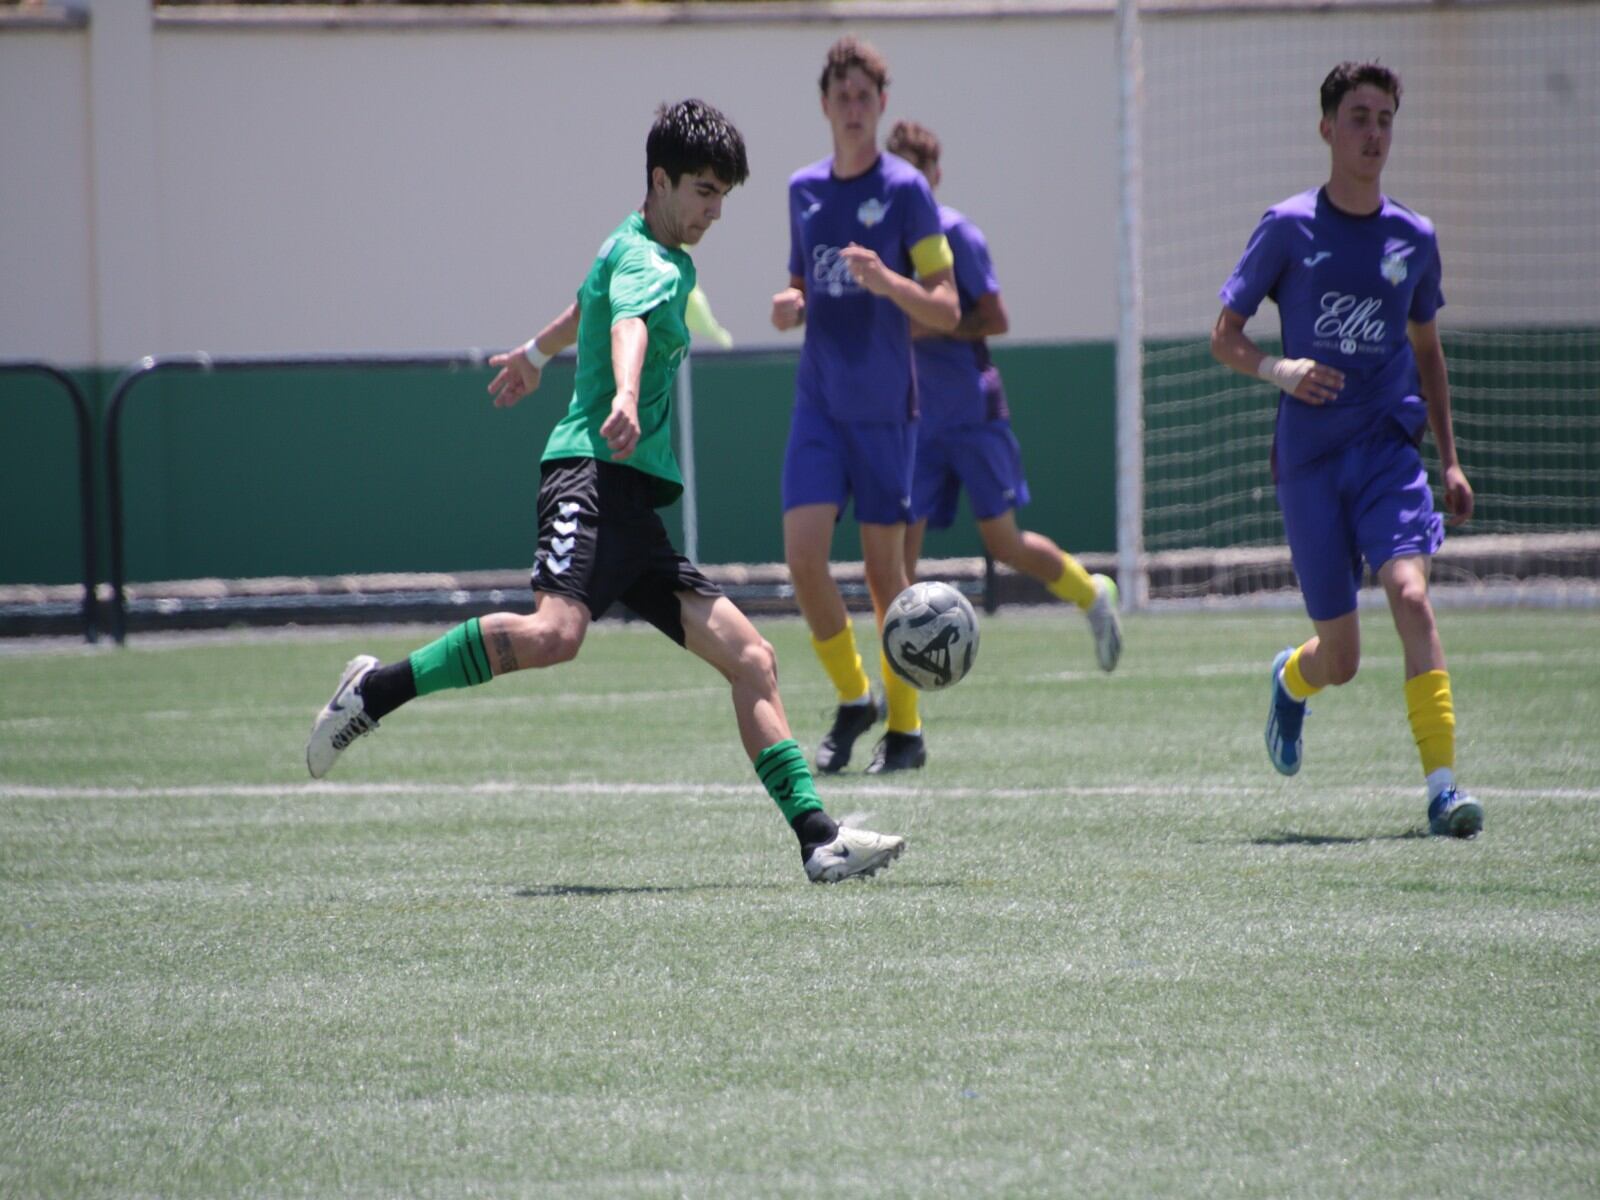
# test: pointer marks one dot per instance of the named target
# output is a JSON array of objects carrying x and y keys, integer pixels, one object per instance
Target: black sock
[
  {"x": 387, "y": 687},
  {"x": 814, "y": 828}
]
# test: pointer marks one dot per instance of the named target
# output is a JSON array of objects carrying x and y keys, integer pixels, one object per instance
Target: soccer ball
[{"x": 930, "y": 636}]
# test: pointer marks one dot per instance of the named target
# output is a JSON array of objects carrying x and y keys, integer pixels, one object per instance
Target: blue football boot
[
  {"x": 1285, "y": 715},
  {"x": 1454, "y": 814}
]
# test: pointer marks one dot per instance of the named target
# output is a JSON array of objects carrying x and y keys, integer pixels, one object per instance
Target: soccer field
[{"x": 550, "y": 938}]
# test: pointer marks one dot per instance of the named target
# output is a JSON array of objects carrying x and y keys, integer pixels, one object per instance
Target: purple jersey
[
  {"x": 957, "y": 384},
  {"x": 856, "y": 363},
  {"x": 1345, "y": 287}
]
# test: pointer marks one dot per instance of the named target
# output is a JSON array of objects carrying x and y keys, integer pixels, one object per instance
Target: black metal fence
[{"x": 80, "y": 408}]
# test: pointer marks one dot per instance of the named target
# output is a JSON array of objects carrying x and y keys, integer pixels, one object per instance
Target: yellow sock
[
  {"x": 1433, "y": 719},
  {"x": 1295, "y": 683},
  {"x": 1076, "y": 586},
  {"x": 842, "y": 662},
  {"x": 902, "y": 697}
]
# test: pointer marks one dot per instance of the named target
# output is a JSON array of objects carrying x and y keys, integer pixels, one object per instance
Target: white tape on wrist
[
  {"x": 1284, "y": 374},
  {"x": 534, "y": 355}
]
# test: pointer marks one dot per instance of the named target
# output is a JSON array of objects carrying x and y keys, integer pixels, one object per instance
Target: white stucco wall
[
  {"x": 253, "y": 191},
  {"x": 322, "y": 190},
  {"x": 46, "y": 240}
]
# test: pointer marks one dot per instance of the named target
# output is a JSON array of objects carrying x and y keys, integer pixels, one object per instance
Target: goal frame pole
[{"x": 1133, "y": 579}]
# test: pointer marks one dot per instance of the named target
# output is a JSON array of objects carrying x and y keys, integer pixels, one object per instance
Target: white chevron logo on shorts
[
  {"x": 568, "y": 507},
  {"x": 564, "y": 526},
  {"x": 558, "y": 566},
  {"x": 561, "y": 545}
]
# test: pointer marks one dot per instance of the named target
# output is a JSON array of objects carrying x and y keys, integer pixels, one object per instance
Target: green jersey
[{"x": 633, "y": 276}]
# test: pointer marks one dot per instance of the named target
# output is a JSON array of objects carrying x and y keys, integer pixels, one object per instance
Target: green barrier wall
[
  {"x": 1063, "y": 410},
  {"x": 39, "y": 503},
  {"x": 326, "y": 472}
]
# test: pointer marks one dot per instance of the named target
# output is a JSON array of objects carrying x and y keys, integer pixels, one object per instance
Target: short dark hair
[
  {"x": 1348, "y": 76},
  {"x": 692, "y": 136},
  {"x": 917, "y": 144},
  {"x": 850, "y": 52}
]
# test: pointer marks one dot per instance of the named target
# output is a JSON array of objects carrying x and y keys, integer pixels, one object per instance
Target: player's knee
[
  {"x": 1411, "y": 605},
  {"x": 884, "y": 582},
  {"x": 551, "y": 641},
  {"x": 805, "y": 563},
  {"x": 562, "y": 645},
  {"x": 1003, "y": 547},
  {"x": 758, "y": 664},
  {"x": 762, "y": 659}
]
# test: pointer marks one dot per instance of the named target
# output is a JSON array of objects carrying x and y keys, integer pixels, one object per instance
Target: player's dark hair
[
  {"x": 1348, "y": 76},
  {"x": 850, "y": 52},
  {"x": 917, "y": 144},
  {"x": 692, "y": 136}
]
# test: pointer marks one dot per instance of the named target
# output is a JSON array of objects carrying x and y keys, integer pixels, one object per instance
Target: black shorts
[{"x": 601, "y": 540}]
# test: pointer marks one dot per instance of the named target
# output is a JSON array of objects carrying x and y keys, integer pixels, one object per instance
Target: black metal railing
[
  {"x": 148, "y": 367},
  {"x": 80, "y": 407}
]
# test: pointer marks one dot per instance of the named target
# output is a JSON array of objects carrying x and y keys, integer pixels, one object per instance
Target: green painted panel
[
  {"x": 1063, "y": 409},
  {"x": 354, "y": 470},
  {"x": 326, "y": 471},
  {"x": 40, "y": 509}
]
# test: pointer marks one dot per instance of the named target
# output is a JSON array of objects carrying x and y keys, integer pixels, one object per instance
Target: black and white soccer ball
[{"x": 930, "y": 636}]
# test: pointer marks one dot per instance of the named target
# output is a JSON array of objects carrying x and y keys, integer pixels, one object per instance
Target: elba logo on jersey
[
  {"x": 831, "y": 273},
  {"x": 1354, "y": 323},
  {"x": 1393, "y": 265}
]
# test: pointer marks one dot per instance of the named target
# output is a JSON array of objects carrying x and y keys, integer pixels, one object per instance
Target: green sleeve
[{"x": 641, "y": 282}]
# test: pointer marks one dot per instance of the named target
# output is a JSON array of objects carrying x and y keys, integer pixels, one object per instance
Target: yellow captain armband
[{"x": 932, "y": 254}]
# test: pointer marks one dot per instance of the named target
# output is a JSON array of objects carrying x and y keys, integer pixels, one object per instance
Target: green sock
[
  {"x": 784, "y": 773},
  {"x": 456, "y": 660}
]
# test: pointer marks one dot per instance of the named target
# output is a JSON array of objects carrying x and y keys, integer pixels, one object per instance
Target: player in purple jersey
[
  {"x": 964, "y": 438},
  {"x": 866, "y": 256},
  {"x": 1356, "y": 280}
]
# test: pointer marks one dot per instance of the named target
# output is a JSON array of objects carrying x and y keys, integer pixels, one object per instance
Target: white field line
[
  {"x": 570, "y": 700},
  {"x": 590, "y": 787}
]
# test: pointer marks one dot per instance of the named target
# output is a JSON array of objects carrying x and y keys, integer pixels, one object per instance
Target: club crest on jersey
[
  {"x": 871, "y": 212},
  {"x": 1393, "y": 265}
]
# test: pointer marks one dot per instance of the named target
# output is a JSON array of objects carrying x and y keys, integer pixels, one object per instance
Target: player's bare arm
[
  {"x": 930, "y": 300},
  {"x": 987, "y": 319},
  {"x": 1303, "y": 378},
  {"x": 1429, "y": 352},
  {"x": 789, "y": 306},
  {"x": 629, "y": 338},
  {"x": 519, "y": 375}
]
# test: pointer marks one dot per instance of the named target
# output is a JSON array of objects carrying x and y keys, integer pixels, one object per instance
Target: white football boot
[
  {"x": 853, "y": 852},
  {"x": 1105, "y": 624},
  {"x": 342, "y": 720}
]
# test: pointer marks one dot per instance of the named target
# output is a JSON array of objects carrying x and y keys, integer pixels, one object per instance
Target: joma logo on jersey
[
  {"x": 1350, "y": 320},
  {"x": 871, "y": 212},
  {"x": 830, "y": 272}
]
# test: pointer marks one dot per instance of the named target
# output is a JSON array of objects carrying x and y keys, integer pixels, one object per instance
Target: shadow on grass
[
  {"x": 1287, "y": 837},
  {"x": 556, "y": 891},
  {"x": 550, "y": 891}
]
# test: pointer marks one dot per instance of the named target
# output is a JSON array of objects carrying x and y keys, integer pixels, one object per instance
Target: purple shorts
[
  {"x": 983, "y": 458},
  {"x": 828, "y": 462},
  {"x": 1369, "y": 501}
]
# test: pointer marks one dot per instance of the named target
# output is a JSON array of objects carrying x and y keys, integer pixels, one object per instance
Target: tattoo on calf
[{"x": 504, "y": 652}]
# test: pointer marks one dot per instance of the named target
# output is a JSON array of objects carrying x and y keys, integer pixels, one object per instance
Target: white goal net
[{"x": 1498, "y": 141}]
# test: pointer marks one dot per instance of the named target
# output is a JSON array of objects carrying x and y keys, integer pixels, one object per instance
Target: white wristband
[{"x": 536, "y": 357}]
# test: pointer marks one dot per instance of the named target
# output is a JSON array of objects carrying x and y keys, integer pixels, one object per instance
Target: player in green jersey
[{"x": 606, "y": 470}]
